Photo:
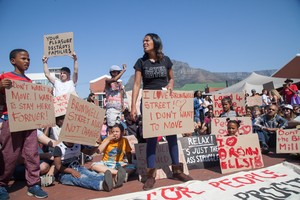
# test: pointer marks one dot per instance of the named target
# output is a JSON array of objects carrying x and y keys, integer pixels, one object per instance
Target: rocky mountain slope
[{"x": 184, "y": 74}]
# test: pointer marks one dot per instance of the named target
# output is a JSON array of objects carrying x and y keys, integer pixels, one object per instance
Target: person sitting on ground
[
  {"x": 296, "y": 109},
  {"x": 233, "y": 127},
  {"x": 206, "y": 127},
  {"x": 267, "y": 125},
  {"x": 64, "y": 84},
  {"x": 289, "y": 115},
  {"x": 66, "y": 160},
  {"x": 227, "y": 108},
  {"x": 46, "y": 159},
  {"x": 275, "y": 97},
  {"x": 115, "y": 148}
]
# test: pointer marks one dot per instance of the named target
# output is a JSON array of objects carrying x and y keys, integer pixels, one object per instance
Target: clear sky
[{"x": 215, "y": 35}]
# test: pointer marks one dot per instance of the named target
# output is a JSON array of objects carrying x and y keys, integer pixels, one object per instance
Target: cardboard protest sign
[
  {"x": 238, "y": 103},
  {"x": 167, "y": 114},
  {"x": 219, "y": 126},
  {"x": 132, "y": 140},
  {"x": 59, "y": 44},
  {"x": 60, "y": 104},
  {"x": 288, "y": 141},
  {"x": 239, "y": 153},
  {"x": 163, "y": 160},
  {"x": 200, "y": 151},
  {"x": 254, "y": 101},
  {"x": 82, "y": 123},
  {"x": 30, "y": 106},
  {"x": 269, "y": 86}
]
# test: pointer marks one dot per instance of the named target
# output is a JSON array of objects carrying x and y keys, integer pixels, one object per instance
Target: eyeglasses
[{"x": 285, "y": 109}]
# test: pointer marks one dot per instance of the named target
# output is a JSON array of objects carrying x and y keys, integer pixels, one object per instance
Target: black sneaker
[
  {"x": 37, "y": 192},
  {"x": 107, "y": 184}
]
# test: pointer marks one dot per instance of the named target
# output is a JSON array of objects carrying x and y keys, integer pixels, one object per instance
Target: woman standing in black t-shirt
[{"x": 155, "y": 69}]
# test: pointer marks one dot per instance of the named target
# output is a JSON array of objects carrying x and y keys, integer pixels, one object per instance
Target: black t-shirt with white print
[{"x": 155, "y": 75}]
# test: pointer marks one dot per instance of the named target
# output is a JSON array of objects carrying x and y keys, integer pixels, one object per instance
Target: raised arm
[
  {"x": 116, "y": 78},
  {"x": 46, "y": 70},
  {"x": 75, "y": 74},
  {"x": 135, "y": 93}
]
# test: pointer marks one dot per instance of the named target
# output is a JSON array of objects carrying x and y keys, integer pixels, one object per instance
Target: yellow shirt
[{"x": 115, "y": 151}]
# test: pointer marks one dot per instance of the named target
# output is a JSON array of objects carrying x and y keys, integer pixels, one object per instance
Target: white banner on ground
[{"x": 281, "y": 181}]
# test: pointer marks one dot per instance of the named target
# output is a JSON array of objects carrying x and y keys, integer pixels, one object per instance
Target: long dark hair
[{"x": 158, "y": 46}]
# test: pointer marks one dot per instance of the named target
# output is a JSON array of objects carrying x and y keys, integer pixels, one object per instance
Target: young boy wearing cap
[
  {"x": 114, "y": 95},
  {"x": 64, "y": 84}
]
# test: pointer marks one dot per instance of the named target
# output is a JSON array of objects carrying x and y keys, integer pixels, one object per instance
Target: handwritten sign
[
  {"x": 83, "y": 122},
  {"x": 132, "y": 140},
  {"x": 163, "y": 160},
  {"x": 254, "y": 101},
  {"x": 30, "y": 106},
  {"x": 288, "y": 141},
  {"x": 200, "y": 151},
  {"x": 219, "y": 126},
  {"x": 239, "y": 153},
  {"x": 238, "y": 103},
  {"x": 166, "y": 114},
  {"x": 60, "y": 44},
  {"x": 61, "y": 104}
]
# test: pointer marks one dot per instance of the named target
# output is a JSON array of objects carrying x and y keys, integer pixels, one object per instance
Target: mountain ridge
[{"x": 184, "y": 74}]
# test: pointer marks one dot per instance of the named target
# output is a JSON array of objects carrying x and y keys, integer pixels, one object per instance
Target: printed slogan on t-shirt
[
  {"x": 30, "y": 106},
  {"x": 166, "y": 113},
  {"x": 59, "y": 44}
]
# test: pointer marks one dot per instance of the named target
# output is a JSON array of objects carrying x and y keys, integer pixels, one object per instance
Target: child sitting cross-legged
[
  {"x": 66, "y": 160},
  {"x": 114, "y": 148}
]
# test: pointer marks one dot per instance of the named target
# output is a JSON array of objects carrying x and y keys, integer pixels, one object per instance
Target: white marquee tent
[{"x": 253, "y": 81}]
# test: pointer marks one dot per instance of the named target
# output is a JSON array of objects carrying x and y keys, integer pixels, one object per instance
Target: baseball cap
[
  {"x": 288, "y": 106},
  {"x": 115, "y": 68}
]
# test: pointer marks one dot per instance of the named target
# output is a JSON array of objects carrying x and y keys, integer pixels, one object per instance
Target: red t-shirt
[
  {"x": 12, "y": 76},
  {"x": 289, "y": 94}
]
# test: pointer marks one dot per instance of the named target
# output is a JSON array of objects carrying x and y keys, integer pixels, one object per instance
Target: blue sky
[{"x": 215, "y": 35}]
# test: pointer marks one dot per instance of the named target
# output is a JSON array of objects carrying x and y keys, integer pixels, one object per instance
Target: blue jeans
[
  {"x": 151, "y": 150},
  {"x": 88, "y": 179},
  {"x": 263, "y": 136}
]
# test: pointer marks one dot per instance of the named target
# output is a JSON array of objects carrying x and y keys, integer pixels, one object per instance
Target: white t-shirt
[{"x": 61, "y": 88}]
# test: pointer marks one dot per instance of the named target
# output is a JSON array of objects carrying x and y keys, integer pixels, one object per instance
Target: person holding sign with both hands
[
  {"x": 64, "y": 85},
  {"x": 155, "y": 69}
]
